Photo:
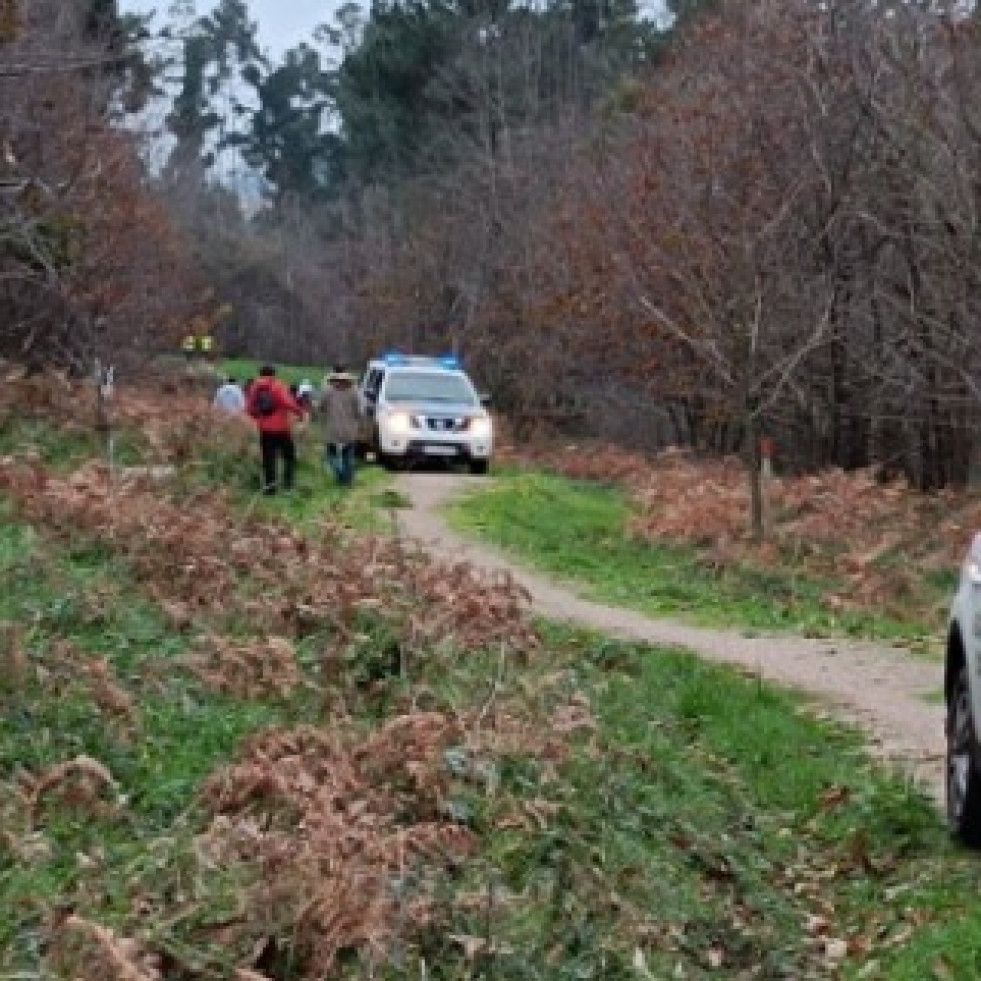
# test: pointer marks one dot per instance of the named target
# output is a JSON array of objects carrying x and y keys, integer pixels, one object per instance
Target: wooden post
[
  {"x": 105, "y": 384},
  {"x": 767, "y": 452}
]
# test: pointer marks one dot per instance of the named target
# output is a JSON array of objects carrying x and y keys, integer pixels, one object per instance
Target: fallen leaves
[
  {"x": 344, "y": 835},
  {"x": 14, "y": 663},
  {"x": 576, "y": 716},
  {"x": 87, "y": 951},
  {"x": 835, "y": 797},
  {"x": 191, "y": 554},
  {"x": 113, "y": 701},
  {"x": 348, "y": 832},
  {"x": 248, "y": 670},
  {"x": 82, "y": 783}
]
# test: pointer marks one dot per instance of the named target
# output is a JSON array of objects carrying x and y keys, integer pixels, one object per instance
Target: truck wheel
[
  {"x": 479, "y": 467},
  {"x": 963, "y": 779}
]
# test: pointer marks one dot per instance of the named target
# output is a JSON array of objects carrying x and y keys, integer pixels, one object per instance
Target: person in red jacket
[{"x": 271, "y": 405}]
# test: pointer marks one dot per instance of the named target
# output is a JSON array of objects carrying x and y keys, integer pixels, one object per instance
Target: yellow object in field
[
  {"x": 188, "y": 344},
  {"x": 10, "y": 21}
]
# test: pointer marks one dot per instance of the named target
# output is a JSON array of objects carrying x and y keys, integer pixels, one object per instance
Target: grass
[
  {"x": 62, "y": 448},
  {"x": 697, "y": 829},
  {"x": 752, "y": 777},
  {"x": 242, "y": 368},
  {"x": 578, "y": 532},
  {"x": 692, "y": 794},
  {"x": 367, "y": 506},
  {"x": 700, "y": 825},
  {"x": 73, "y": 596}
]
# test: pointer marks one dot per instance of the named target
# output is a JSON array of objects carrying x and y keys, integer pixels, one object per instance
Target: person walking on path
[
  {"x": 304, "y": 395},
  {"x": 342, "y": 424},
  {"x": 271, "y": 405},
  {"x": 230, "y": 398}
]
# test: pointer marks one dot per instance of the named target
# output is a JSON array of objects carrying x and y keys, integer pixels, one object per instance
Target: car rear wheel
[
  {"x": 479, "y": 467},
  {"x": 963, "y": 779}
]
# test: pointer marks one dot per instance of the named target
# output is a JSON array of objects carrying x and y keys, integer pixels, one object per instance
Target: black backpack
[{"x": 266, "y": 402}]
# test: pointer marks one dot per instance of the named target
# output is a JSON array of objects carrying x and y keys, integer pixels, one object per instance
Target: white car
[
  {"x": 962, "y": 691},
  {"x": 425, "y": 408}
]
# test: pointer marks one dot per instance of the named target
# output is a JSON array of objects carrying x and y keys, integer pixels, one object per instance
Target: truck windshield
[{"x": 424, "y": 386}]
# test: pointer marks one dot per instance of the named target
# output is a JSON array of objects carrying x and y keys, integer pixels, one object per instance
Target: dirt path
[{"x": 880, "y": 688}]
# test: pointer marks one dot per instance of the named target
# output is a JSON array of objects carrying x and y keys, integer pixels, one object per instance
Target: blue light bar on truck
[
  {"x": 394, "y": 358},
  {"x": 451, "y": 361}
]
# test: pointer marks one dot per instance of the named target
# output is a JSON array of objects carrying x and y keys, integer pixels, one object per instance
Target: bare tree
[{"x": 88, "y": 263}]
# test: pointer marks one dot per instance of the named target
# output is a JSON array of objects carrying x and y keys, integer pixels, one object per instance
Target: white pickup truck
[
  {"x": 962, "y": 690},
  {"x": 422, "y": 407}
]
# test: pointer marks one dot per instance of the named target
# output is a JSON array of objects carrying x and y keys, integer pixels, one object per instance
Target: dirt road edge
[{"x": 881, "y": 689}]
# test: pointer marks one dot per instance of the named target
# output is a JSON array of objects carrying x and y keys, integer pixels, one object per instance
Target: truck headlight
[
  {"x": 480, "y": 427},
  {"x": 399, "y": 423}
]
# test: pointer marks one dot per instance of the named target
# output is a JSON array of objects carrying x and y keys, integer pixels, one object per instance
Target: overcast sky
[{"x": 282, "y": 23}]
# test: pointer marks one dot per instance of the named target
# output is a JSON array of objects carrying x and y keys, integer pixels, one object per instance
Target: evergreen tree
[
  {"x": 430, "y": 71},
  {"x": 384, "y": 87},
  {"x": 213, "y": 48},
  {"x": 287, "y": 140}
]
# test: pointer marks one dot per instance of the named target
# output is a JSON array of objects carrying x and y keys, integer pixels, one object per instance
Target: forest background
[{"x": 740, "y": 220}]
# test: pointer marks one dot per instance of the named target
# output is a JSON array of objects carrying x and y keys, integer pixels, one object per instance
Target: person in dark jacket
[{"x": 271, "y": 405}]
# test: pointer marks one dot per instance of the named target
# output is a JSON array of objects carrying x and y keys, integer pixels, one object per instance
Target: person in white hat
[
  {"x": 342, "y": 424},
  {"x": 304, "y": 394}
]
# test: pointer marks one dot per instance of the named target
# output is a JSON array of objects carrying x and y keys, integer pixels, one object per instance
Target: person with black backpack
[{"x": 271, "y": 405}]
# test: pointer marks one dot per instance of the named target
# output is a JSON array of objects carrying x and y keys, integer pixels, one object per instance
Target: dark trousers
[
  {"x": 274, "y": 445},
  {"x": 340, "y": 459}
]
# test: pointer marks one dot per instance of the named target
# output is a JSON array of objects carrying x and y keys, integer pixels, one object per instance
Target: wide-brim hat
[{"x": 340, "y": 375}]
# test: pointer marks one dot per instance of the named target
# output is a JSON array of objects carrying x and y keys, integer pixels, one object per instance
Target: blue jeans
[{"x": 340, "y": 458}]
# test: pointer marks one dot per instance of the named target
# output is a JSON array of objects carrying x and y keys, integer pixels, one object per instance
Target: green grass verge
[
  {"x": 698, "y": 830},
  {"x": 701, "y": 828},
  {"x": 702, "y": 804},
  {"x": 367, "y": 506},
  {"x": 578, "y": 531},
  {"x": 77, "y": 596},
  {"x": 63, "y": 448},
  {"x": 242, "y": 368}
]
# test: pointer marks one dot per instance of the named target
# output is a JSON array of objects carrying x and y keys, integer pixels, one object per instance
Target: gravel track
[{"x": 884, "y": 690}]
